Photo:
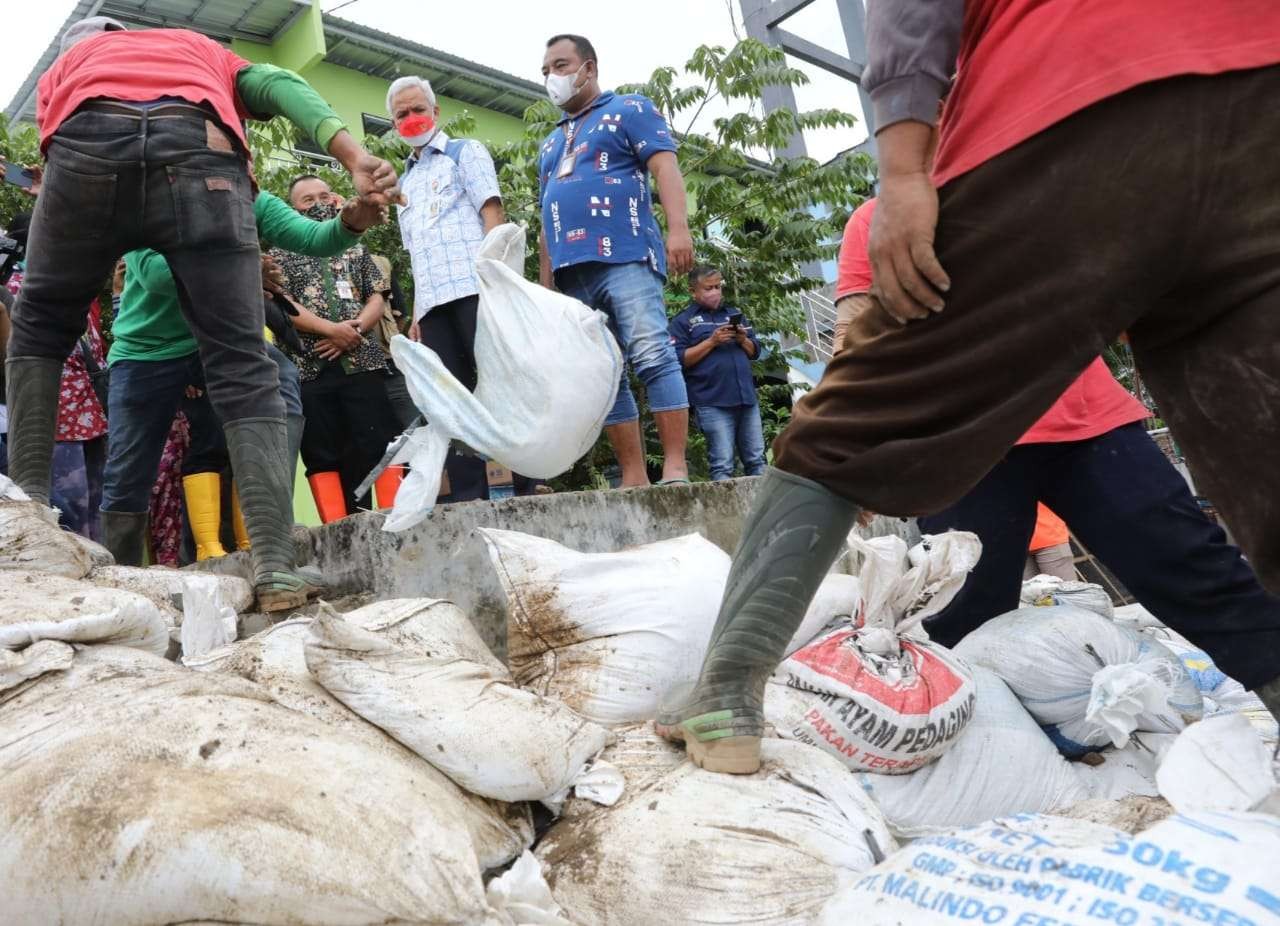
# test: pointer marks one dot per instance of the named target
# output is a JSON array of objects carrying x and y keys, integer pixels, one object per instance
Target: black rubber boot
[
  {"x": 264, "y": 477},
  {"x": 793, "y": 534},
  {"x": 294, "y": 425},
  {"x": 124, "y": 533},
  {"x": 31, "y": 390},
  {"x": 1270, "y": 695}
]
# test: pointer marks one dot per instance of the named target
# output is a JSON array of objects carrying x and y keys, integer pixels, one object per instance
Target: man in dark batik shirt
[{"x": 350, "y": 419}]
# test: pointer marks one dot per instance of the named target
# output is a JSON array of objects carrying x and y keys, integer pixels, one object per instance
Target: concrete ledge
[{"x": 444, "y": 557}]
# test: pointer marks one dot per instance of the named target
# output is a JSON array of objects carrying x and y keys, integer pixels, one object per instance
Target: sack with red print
[{"x": 877, "y": 694}]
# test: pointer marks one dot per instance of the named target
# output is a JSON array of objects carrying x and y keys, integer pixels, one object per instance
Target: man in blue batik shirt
[
  {"x": 601, "y": 244},
  {"x": 716, "y": 345}
]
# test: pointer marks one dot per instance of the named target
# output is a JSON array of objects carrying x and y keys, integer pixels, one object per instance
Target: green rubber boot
[
  {"x": 793, "y": 534},
  {"x": 124, "y": 533},
  {"x": 264, "y": 479},
  {"x": 31, "y": 386}
]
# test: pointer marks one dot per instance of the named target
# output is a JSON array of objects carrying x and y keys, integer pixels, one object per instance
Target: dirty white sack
[
  {"x": 1088, "y": 680},
  {"x": 1002, "y": 763},
  {"x": 1044, "y": 591},
  {"x": 693, "y": 847},
  {"x": 32, "y": 662},
  {"x": 548, "y": 371},
  {"x": 164, "y": 586},
  {"x": 1037, "y": 869},
  {"x": 208, "y": 622},
  {"x": 135, "y": 792},
  {"x": 276, "y": 659},
  {"x": 611, "y": 634},
  {"x": 30, "y": 538},
  {"x": 465, "y": 718},
  {"x": 878, "y": 695},
  {"x": 1129, "y": 771},
  {"x": 522, "y": 895},
  {"x": 1219, "y": 763},
  {"x": 39, "y": 606}
]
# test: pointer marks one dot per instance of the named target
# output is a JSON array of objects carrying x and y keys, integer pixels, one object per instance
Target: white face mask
[{"x": 560, "y": 87}]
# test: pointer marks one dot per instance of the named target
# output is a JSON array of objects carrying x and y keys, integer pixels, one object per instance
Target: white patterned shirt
[{"x": 441, "y": 225}]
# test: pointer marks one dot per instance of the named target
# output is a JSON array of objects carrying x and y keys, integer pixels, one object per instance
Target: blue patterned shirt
[{"x": 601, "y": 210}]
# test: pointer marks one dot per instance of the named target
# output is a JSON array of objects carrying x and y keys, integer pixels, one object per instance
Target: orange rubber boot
[
  {"x": 387, "y": 485},
  {"x": 331, "y": 501}
]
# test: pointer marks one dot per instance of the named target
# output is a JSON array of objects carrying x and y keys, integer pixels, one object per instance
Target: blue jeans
[
  {"x": 144, "y": 397},
  {"x": 290, "y": 381},
  {"x": 631, "y": 295},
  {"x": 1127, "y": 504},
  {"x": 729, "y": 428}
]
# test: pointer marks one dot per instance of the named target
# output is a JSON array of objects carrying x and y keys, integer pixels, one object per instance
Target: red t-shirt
[
  {"x": 853, "y": 269},
  {"x": 1025, "y": 64},
  {"x": 1094, "y": 404},
  {"x": 138, "y": 67}
]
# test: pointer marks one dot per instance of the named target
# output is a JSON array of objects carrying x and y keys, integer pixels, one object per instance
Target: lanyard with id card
[{"x": 568, "y": 157}]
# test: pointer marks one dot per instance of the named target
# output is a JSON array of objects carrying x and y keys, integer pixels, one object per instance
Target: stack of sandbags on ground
[
  {"x": 876, "y": 693},
  {"x": 1050, "y": 871},
  {"x": 688, "y": 846},
  {"x": 133, "y": 790},
  {"x": 31, "y": 540},
  {"x": 275, "y": 660},
  {"x": 1089, "y": 681},
  {"x": 1001, "y": 763},
  {"x": 611, "y": 634},
  {"x": 166, "y": 586},
  {"x": 42, "y": 606},
  {"x": 455, "y": 705}
]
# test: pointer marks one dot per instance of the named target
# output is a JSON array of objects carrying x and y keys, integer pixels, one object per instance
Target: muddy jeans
[
  {"x": 1154, "y": 211},
  {"x": 114, "y": 183}
]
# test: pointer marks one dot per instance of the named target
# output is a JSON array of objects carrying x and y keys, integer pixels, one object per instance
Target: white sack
[
  {"x": 902, "y": 587},
  {"x": 164, "y": 586},
  {"x": 137, "y": 792},
  {"x": 1129, "y": 771},
  {"x": 276, "y": 660},
  {"x": 1088, "y": 680},
  {"x": 520, "y": 896},
  {"x": 1219, "y": 763},
  {"x": 694, "y": 847},
  {"x": 612, "y": 634},
  {"x": 1045, "y": 591},
  {"x": 30, "y": 538},
  {"x": 39, "y": 606},
  {"x": 32, "y": 662},
  {"x": 491, "y": 738},
  {"x": 609, "y": 634},
  {"x": 1039, "y": 870},
  {"x": 1002, "y": 763},
  {"x": 548, "y": 373},
  {"x": 208, "y": 622}
]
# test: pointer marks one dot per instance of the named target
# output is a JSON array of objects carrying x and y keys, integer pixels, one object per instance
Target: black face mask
[{"x": 321, "y": 212}]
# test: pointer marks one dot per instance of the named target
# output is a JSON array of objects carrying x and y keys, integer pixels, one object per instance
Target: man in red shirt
[
  {"x": 144, "y": 146},
  {"x": 1100, "y": 168}
]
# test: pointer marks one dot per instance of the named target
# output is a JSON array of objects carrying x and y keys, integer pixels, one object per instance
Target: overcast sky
[{"x": 508, "y": 34}]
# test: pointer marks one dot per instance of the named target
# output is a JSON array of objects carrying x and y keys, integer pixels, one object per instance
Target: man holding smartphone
[{"x": 716, "y": 345}]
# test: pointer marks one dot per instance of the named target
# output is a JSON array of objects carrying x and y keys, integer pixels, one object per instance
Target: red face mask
[{"x": 417, "y": 129}]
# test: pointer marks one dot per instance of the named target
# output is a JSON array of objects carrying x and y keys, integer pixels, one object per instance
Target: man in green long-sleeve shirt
[
  {"x": 155, "y": 370},
  {"x": 145, "y": 148}
]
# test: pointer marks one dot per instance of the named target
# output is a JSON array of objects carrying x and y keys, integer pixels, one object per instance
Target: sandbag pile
[
  {"x": 876, "y": 693},
  {"x": 1089, "y": 681}
]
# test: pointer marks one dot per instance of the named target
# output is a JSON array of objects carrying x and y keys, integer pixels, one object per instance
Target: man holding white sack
[
  {"x": 601, "y": 244},
  {"x": 452, "y": 202}
]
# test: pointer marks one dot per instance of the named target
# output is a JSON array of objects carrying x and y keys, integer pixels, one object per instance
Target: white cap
[{"x": 88, "y": 28}]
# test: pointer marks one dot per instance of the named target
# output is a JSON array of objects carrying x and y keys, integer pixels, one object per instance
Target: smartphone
[
  {"x": 735, "y": 319},
  {"x": 18, "y": 176}
]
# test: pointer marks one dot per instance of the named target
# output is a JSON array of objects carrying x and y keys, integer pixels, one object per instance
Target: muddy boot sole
[
  {"x": 273, "y": 600},
  {"x": 727, "y": 755}
]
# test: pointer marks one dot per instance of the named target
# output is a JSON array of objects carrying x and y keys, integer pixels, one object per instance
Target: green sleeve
[
  {"x": 281, "y": 226},
  {"x": 267, "y": 91},
  {"x": 151, "y": 271}
]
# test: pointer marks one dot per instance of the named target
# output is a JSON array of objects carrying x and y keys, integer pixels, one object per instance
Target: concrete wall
[{"x": 444, "y": 557}]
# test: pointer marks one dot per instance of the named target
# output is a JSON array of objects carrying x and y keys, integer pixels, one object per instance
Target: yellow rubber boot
[
  {"x": 237, "y": 520},
  {"x": 204, "y": 511}
]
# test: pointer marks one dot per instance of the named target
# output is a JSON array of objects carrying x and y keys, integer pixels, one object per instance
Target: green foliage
[{"x": 20, "y": 145}]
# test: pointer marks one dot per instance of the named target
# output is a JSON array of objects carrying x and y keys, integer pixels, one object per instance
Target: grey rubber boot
[
  {"x": 258, "y": 449},
  {"x": 31, "y": 390},
  {"x": 1270, "y": 695},
  {"x": 124, "y": 533},
  {"x": 795, "y": 530},
  {"x": 295, "y": 425}
]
